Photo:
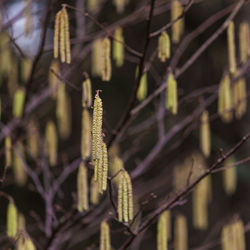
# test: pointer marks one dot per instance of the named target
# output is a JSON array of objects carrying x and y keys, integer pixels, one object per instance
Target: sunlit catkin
[
  {"x": 94, "y": 192},
  {"x": 163, "y": 230},
  {"x": 180, "y": 233},
  {"x": 51, "y": 142},
  {"x": 143, "y": 87},
  {"x": 171, "y": 94},
  {"x": 54, "y": 81},
  {"x": 118, "y": 48},
  {"x": 96, "y": 58},
  {"x": 244, "y": 40},
  {"x": 33, "y": 139},
  {"x": 106, "y": 62},
  {"x": 163, "y": 47},
  {"x": 205, "y": 137},
  {"x": 86, "y": 134},
  {"x": 231, "y": 47},
  {"x": 82, "y": 188},
  {"x": 178, "y": 26},
  {"x": 125, "y": 198},
  {"x": 105, "y": 236},
  {"x": 97, "y": 128},
  {"x": 18, "y": 102},
  {"x": 8, "y": 151},
  {"x": 87, "y": 93},
  {"x": 229, "y": 176},
  {"x": 12, "y": 220},
  {"x": 225, "y": 102}
]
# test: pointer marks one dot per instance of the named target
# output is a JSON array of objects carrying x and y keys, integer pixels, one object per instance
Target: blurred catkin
[
  {"x": 180, "y": 233},
  {"x": 18, "y": 102},
  {"x": 86, "y": 134},
  {"x": 106, "y": 61},
  {"x": 231, "y": 47},
  {"x": 178, "y": 26},
  {"x": 12, "y": 220},
  {"x": 118, "y": 48},
  {"x": 8, "y": 151},
  {"x": 171, "y": 94},
  {"x": 143, "y": 86},
  {"x": 205, "y": 137},
  {"x": 120, "y": 5},
  {"x": 54, "y": 81},
  {"x": 163, "y": 47},
  {"x": 244, "y": 40},
  {"x": 105, "y": 236},
  {"x": 26, "y": 69},
  {"x": 33, "y": 139},
  {"x": 163, "y": 230},
  {"x": 229, "y": 176},
  {"x": 96, "y": 58},
  {"x": 87, "y": 93}
]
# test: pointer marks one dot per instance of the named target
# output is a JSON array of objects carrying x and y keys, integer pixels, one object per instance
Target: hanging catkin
[
  {"x": 82, "y": 188},
  {"x": 8, "y": 151},
  {"x": 231, "y": 47},
  {"x": 86, "y": 93},
  {"x": 96, "y": 58},
  {"x": 229, "y": 176},
  {"x": 163, "y": 47},
  {"x": 26, "y": 69},
  {"x": 61, "y": 33},
  {"x": 171, "y": 94},
  {"x": 94, "y": 192},
  {"x": 180, "y": 233},
  {"x": 225, "y": 102},
  {"x": 12, "y": 220},
  {"x": 178, "y": 26},
  {"x": 97, "y": 128},
  {"x": 21, "y": 232},
  {"x": 106, "y": 62},
  {"x": 105, "y": 236},
  {"x": 63, "y": 112},
  {"x": 51, "y": 142},
  {"x": 86, "y": 134},
  {"x": 125, "y": 197},
  {"x": 33, "y": 139},
  {"x": 19, "y": 172},
  {"x": 244, "y": 40},
  {"x": 28, "y": 17},
  {"x": 54, "y": 81},
  {"x": 120, "y": 5},
  {"x": 163, "y": 230},
  {"x": 28, "y": 244},
  {"x": 205, "y": 137},
  {"x": 115, "y": 166},
  {"x": 143, "y": 86},
  {"x": 18, "y": 102},
  {"x": 118, "y": 48}
]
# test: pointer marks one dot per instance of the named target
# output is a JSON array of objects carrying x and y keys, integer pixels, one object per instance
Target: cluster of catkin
[{"x": 62, "y": 36}]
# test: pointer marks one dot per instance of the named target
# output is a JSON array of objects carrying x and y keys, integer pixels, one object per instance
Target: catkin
[
  {"x": 33, "y": 139},
  {"x": 8, "y": 153},
  {"x": 178, "y": 26},
  {"x": 26, "y": 69},
  {"x": 97, "y": 128},
  {"x": 54, "y": 81},
  {"x": 125, "y": 198},
  {"x": 82, "y": 188},
  {"x": 28, "y": 17},
  {"x": 51, "y": 142},
  {"x": 205, "y": 137},
  {"x": 12, "y": 220},
  {"x": 86, "y": 135},
  {"x": 21, "y": 232},
  {"x": 93, "y": 5},
  {"x": 163, "y": 47},
  {"x": 231, "y": 47},
  {"x": 5, "y": 53},
  {"x": 106, "y": 62},
  {"x": 28, "y": 244},
  {"x": 225, "y": 102},
  {"x": 115, "y": 165},
  {"x": 94, "y": 192},
  {"x": 163, "y": 230},
  {"x": 229, "y": 177},
  {"x": 86, "y": 93},
  {"x": 239, "y": 235},
  {"x": 96, "y": 58},
  {"x": 120, "y": 5},
  {"x": 104, "y": 166},
  {"x": 18, "y": 102},
  {"x": 118, "y": 48},
  {"x": 143, "y": 86},
  {"x": 244, "y": 40},
  {"x": 180, "y": 233},
  {"x": 171, "y": 94},
  {"x": 105, "y": 236},
  {"x": 56, "y": 34}
]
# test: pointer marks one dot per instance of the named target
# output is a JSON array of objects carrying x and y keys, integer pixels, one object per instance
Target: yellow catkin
[
  {"x": 94, "y": 192},
  {"x": 63, "y": 111},
  {"x": 66, "y": 35},
  {"x": 19, "y": 172},
  {"x": 51, "y": 142},
  {"x": 240, "y": 97},
  {"x": 82, "y": 188},
  {"x": 104, "y": 166},
  {"x": 231, "y": 47},
  {"x": 244, "y": 40},
  {"x": 105, "y": 236},
  {"x": 180, "y": 233},
  {"x": 62, "y": 37},
  {"x": 12, "y": 220},
  {"x": 28, "y": 17},
  {"x": 106, "y": 62},
  {"x": 125, "y": 198},
  {"x": 97, "y": 128},
  {"x": 163, "y": 47},
  {"x": 120, "y": 5},
  {"x": 28, "y": 244},
  {"x": 93, "y": 5},
  {"x": 18, "y": 102},
  {"x": 8, "y": 151},
  {"x": 163, "y": 230},
  {"x": 143, "y": 86},
  {"x": 86, "y": 135},
  {"x": 33, "y": 139},
  {"x": 96, "y": 58},
  {"x": 115, "y": 165},
  {"x": 56, "y": 34},
  {"x": 26, "y": 69},
  {"x": 229, "y": 176},
  {"x": 5, "y": 53},
  {"x": 171, "y": 94},
  {"x": 178, "y": 26},
  {"x": 21, "y": 232},
  {"x": 118, "y": 48},
  {"x": 87, "y": 93},
  {"x": 225, "y": 102},
  {"x": 205, "y": 137},
  {"x": 98, "y": 172},
  {"x": 54, "y": 81}
]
